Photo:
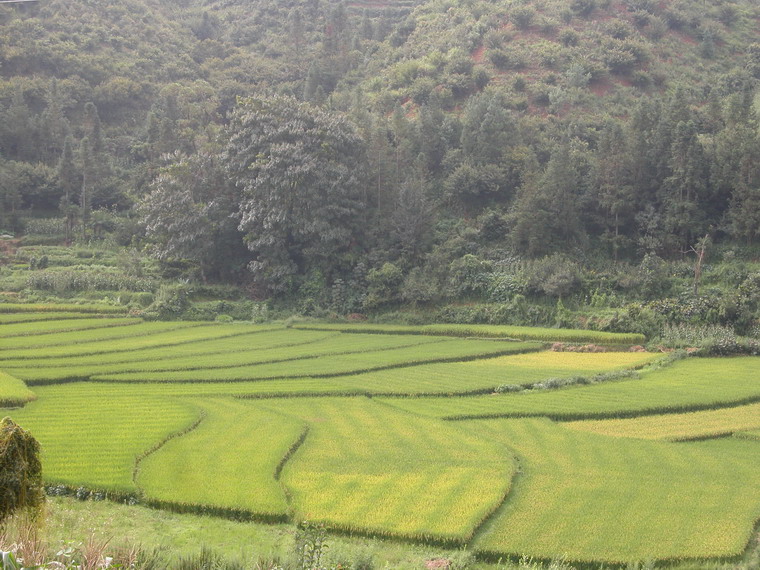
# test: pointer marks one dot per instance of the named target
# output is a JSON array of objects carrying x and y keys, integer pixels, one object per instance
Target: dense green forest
[{"x": 520, "y": 155}]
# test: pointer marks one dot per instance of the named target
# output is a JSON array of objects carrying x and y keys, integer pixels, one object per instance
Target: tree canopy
[{"x": 300, "y": 171}]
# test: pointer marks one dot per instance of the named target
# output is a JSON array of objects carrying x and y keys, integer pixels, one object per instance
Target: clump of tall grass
[
  {"x": 87, "y": 279},
  {"x": 556, "y": 383},
  {"x": 707, "y": 340}
]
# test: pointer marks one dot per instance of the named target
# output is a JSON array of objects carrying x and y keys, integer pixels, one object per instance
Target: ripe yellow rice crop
[
  {"x": 674, "y": 427},
  {"x": 365, "y": 467},
  {"x": 488, "y": 373}
]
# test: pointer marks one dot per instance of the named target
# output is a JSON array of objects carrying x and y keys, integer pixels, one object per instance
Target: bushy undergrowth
[{"x": 707, "y": 340}]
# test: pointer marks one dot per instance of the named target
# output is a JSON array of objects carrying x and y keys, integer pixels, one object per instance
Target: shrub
[
  {"x": 20, "y": 470},
  {"x": 522, "y": 16},
  {"x": 555, "y": 276},
  {"x": 383, "y": 285},
  {"x": 171, "y": 301}
]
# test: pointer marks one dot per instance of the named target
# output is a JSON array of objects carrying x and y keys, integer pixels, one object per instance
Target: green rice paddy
[
  {"x": 493, "y": 331},
  {"x": 687, "y": 385},
  {"x": 583, "y": 496},
  {"x": 225, "y": 419},
  {"x": 678, "y": 427}
]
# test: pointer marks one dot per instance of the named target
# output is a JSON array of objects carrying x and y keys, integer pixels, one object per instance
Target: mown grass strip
[
  {"x": 485, "y": 331},
  {"x": 13, "y": 392},
  {"x": 368, "y": 469},
  {"x": 678, "y": 427},
  {"x": 63, "y": 325},
  {"x": 448, "y": 350},
  {"x": 688, "y": 385},
  {"x": 593, "y": 499},
  {"x": 63, "y": 307},
  {"x": 93, "y": 440},
  {"x": 229, "y": 461}
]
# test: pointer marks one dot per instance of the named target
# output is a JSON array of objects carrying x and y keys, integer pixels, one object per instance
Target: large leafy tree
[
  {"x": 188, "y": 216},
  {"x": 300, "y": 171}
]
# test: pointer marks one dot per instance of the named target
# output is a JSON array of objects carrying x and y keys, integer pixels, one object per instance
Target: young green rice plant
[
  {"x": 446, "y": 350},
  {"x": 366, "y": 468},
  {"x": 678, "y": 427},
  {"x": 57, "y": 308},
  {"x": 490, "y": 331},
  {"x": 48, "y": 327},
  {"x": 197, "y": 345},
  {"x": 8, "y": 318},
  {"x": 230, "y": 460},
  {"x": 206, "y": 367},
  {"x": 182, "y": 336},
  {"x": 264, "y": 389},
  {"x": 13, "y": 392},
  {"x": 520, "y": 369},
  {"x": 93, "y": 440},
  {"x": 43, "y": 338},
  {"x": 590, "y": 498},
  {"x": 687, "y": 385}
]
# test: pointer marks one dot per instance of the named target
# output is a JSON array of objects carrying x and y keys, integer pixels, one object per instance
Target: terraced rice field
[
  {"x": 224, "y": 419},
  {"x": 687, "y": 385},
  {"x": 491, "y": 331},
  {"x": 679, "y": 427},
  {"x": 588, "y": 497}
]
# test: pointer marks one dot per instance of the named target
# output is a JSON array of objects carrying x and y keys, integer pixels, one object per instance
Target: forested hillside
[{"x": 355, "y": 157}]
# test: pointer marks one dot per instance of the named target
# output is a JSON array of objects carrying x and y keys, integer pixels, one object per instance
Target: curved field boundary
[
  {"x": 503, "y": 332},
  {"x": 158, "y": 445},
  {"x": 484, "y": 376},
  {"x": 230, "y": 462},
  {"x": 375, "y": 471},
  {"x": 91, "y": 440}
]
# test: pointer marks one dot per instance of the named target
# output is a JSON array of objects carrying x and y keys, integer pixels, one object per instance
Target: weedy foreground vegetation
[{"x": 447, "y": 436}]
